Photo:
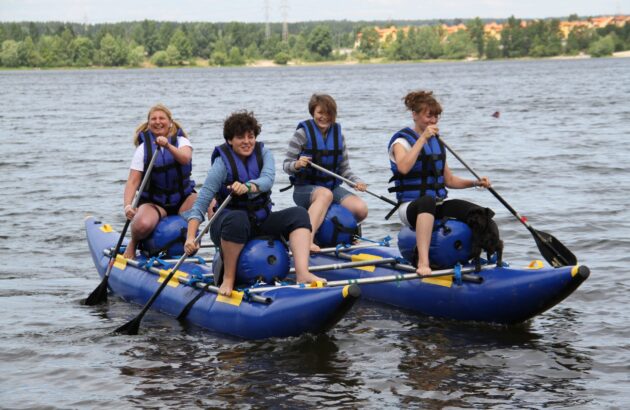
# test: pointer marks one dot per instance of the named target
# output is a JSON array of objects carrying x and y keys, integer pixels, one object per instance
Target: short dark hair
[
  {"x": 326, "y": 102},
  {"x": 238, "y": 123}
]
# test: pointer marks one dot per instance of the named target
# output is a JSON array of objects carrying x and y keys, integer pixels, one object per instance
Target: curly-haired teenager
[{"x": 245, "y": 168}]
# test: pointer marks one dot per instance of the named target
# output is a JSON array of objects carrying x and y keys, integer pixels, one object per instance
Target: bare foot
[
  {"x": 226, "y": 289},
  {"x": 130, "y": 252},
  {"x": 423, "y": 270},
  {"x": 308, "y": 277},
  {"x": 315, "y": 248}
]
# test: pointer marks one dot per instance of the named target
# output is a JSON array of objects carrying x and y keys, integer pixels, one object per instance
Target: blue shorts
[{"x": 303, "y": 194}]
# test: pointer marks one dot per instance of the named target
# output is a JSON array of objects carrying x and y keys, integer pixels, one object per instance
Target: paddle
[
  {"x": 99, "y": 295},
  {"x": 550, "y": 248},
  {"x": 352, "y": 184},
  {"x": 131, "y": 327}
]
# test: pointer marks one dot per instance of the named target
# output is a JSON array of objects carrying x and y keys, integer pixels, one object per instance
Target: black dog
[{"x": 485, "y": 235}]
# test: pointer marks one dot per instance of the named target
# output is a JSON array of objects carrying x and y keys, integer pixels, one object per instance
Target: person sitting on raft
[
  {"x": 170, "y": 189},
  {"x": 421, "y": 174},
  {"x": 321, "y": 141},
  {"x": 245, "y": 168}
]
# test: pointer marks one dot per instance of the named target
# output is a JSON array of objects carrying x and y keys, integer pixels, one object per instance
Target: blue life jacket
[
  {"x": 327, "y": 153},
  {"x": 170, "y": 181},
  {"x": 258, "y": 207},
  {"x": 426, "y": 177}
]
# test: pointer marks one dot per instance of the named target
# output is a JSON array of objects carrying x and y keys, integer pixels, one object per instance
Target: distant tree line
[
  {"x": 55, "y": 44},
  {"x": 540, "y": 38}
]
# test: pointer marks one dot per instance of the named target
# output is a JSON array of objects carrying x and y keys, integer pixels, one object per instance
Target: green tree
[
  {"x": 513, "y": 39},
  {"x": 174, "y": 56},
  {"x": 136, "y": 56},
  {"x": 602, "y": 47},
  {"x": 160, "y": 58},
  {"x": 180, "y": 41},
  {"x": 493, "y": 48},
  {"x": 49, "y": 49},
  {"x": 113, "y": 52},
  {"x": 370, "y": 42},
  {"x": 235, "y": 57},
  {"x": 281, "y": 58},
  {"x": 458, "y": 45},
  {"x": 9, "y": 54},
  {"x": 579, "y": 39},
  {"x": 82, "y": 51},
  {"x": 319, "y": 41},
  {"x": 476, "y": 33},
  {"x": 27, "y": 53}
]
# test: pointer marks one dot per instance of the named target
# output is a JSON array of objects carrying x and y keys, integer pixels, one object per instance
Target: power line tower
[
  {"x": 285, "y": 26},
  {"x": 267, "y": 24}
]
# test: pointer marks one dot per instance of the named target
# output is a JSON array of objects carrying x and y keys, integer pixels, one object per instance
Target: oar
[
  {"x": 131, "y": 327},
  {"x": 385, "y": 278},
  {"x": 99, "y": 295},
  {"x": 550, "y": 248},
  {"x": 352, "y": 184}
]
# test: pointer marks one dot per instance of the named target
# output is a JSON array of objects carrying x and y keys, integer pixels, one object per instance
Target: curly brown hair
[
  {"x": 238, "y": 123},
  {"x": 418, "y": 101},
  {"x": 326, "y": 103}
]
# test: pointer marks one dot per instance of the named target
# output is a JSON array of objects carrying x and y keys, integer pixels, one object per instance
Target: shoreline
[{"x": 202, "y": 63}]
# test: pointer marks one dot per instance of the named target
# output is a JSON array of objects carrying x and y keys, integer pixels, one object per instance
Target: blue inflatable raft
[
  {"x": 495, "y": 294},
  {"x": 277, "y": 312}
]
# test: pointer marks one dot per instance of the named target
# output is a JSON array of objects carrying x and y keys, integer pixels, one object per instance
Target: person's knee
[
  {"x": 143, "y": 226},
  {"x": 298, "y": 218},
  {"x": 323, "y": 195},
  {"x": 236, "y": 227},
  {"x": 361, "y": 211}
]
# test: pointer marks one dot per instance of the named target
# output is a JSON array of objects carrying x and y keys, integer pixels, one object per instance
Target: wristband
[
  {"x": 127, "y": 206},
  {"x": 249, "y": 186}
]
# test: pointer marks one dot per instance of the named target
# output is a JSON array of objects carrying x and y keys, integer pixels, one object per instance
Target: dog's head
[{"x": 478, "y": 219}]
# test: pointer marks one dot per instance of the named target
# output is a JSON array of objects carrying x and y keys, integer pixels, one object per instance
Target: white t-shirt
[
  {"x": 137, "y": 162},
  {"x": 402, "y": 210}
]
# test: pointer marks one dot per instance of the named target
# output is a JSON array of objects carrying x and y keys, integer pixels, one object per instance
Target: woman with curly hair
[{"x": 244, "y": 167}]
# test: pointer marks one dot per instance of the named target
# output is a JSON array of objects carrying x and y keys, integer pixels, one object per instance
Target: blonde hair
[
  {"x": 418, "y": 101},
  {"x": 145, "y": 125},
  {"x": 326, "y": 102}
]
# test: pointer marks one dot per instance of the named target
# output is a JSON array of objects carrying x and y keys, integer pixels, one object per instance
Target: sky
[{"x": 102, "y": 11}]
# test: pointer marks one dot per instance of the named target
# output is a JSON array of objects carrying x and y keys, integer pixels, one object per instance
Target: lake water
[{"x": 558, "y": 154}]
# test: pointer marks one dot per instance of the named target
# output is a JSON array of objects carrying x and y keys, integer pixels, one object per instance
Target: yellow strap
[
  {"x": 121, "y": 262},
  {"x": 106, "y": 228},
  {"x": 536, "y": 264},
  {"x": 173, "y": 282},
  {"x": 446, "y": 281},
  {"x": 360, "y": 257},
  {"x": 234, "y": 299}
]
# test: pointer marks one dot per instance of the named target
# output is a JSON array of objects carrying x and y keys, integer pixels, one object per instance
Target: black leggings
[{"x": 453, "y": 208}]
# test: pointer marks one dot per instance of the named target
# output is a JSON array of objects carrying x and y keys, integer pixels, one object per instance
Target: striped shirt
[{"x": 297, "y": 145}]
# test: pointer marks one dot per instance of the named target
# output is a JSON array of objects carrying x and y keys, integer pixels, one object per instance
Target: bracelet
[
  {"x": 127, "y": 206},
  {"x": 249, "y": 186},
  {"x": 475, "y": 184}
]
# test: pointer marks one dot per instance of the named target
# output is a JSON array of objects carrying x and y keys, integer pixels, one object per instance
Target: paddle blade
[
  {"x": 184, "y": 312},
  {"x": 553, "y": 250},
  {"x": 98, "y": 295},
  {"x": 130, "y": 328}
]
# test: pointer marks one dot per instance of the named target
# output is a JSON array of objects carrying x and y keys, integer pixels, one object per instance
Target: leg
[
  {"x": 299, "y": 242},
  {"x": 321, "y": 200},
  {"x": 231, "y": 230},
  {"x": 293, "y": 223},
  {"x": 421, "y": 214},
  {"x": 356, "y": 205},
  {"x": 143, "y": 223},
  {"x": 231, "y": 251},
  {"x": 424, "y": 228}
]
